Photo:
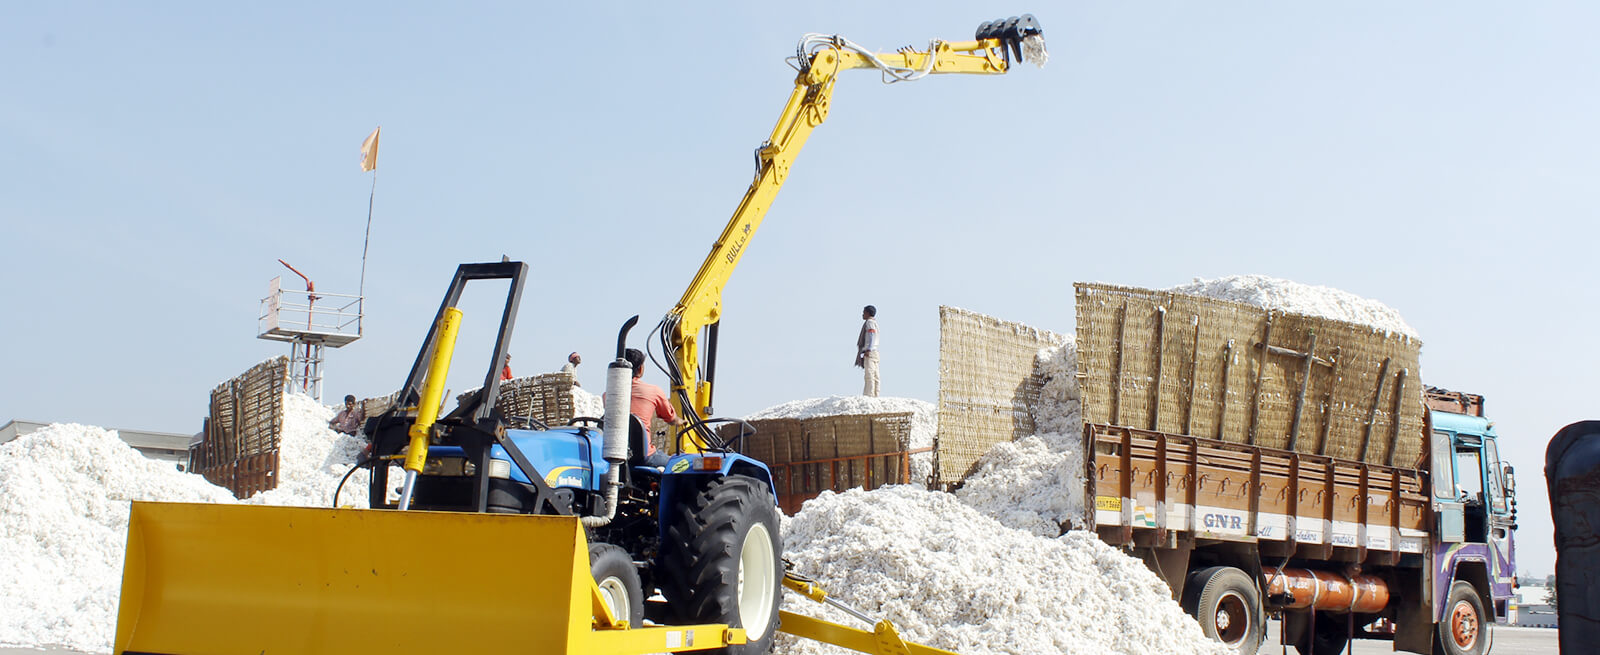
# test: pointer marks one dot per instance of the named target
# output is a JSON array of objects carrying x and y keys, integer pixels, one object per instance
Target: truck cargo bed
[{"x": 1155, "y": 488}]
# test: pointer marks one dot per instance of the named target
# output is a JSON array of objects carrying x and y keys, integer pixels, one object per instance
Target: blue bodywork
[
  {"x": 571, "y": 457},
  {"x": 567, "y": 457},
  {"x": 686, "y": 469}
]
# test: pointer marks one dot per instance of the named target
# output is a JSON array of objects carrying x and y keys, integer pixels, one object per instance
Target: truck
[{"x": 1265, "y": 461}]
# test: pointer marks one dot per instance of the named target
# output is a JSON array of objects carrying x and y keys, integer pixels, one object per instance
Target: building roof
[{"x": 141, "y": 439}]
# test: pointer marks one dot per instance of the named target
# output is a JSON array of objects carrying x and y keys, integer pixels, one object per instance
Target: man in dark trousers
[{"x": 867, "y": 350}]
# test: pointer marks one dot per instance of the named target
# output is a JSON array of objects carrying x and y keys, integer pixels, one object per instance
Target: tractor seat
[{"x": 638, "y": 441}]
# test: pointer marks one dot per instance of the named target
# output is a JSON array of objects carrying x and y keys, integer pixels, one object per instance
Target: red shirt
[{"x": 648, "y": 401}]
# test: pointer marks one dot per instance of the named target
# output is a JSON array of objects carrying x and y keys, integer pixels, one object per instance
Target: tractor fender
[{"x": 685, "y": 473}]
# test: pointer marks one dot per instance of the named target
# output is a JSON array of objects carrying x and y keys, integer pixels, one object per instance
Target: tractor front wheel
[
  {"x": 721, "y": 561},
  {"x": 618, "y": 580}
]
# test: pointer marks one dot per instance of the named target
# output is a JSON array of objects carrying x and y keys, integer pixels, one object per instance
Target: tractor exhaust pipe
[{"x": 619, "y": 394}]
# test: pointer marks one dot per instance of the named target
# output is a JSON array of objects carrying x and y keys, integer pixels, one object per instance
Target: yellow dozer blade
[{"x": 254, "y": 580}]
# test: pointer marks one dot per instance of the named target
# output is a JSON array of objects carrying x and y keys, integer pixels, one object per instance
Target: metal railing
[{"x": 295, "y": 315}]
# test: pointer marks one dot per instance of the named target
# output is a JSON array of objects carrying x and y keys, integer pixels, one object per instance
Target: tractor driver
[{"x": 649, "y": 402}]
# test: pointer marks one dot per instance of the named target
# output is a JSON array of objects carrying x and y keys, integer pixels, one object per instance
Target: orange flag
[{"x": 369, "y": 151}]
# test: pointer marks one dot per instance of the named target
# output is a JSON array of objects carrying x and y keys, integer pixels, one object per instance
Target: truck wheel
[
  {"x": 613, "y": 571},
  {"x": 1464, "y": 631},
  {"x": 721, "y": 561},
  {"x": 1225, "y": 602}
]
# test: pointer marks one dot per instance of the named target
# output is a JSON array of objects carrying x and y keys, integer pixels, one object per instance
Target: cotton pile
[
  {"x": 951, "y": 577},
  {"x": 1290, "y": 296},
  {"x": 312, "y": 458},
  {"x": 1035, "y": 483},
  {"x": 64, "y": 493},
  {"x": 64, "y": 498}
]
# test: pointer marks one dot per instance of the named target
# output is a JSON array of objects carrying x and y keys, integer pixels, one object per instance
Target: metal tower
[{"x": 308, "y": 321}]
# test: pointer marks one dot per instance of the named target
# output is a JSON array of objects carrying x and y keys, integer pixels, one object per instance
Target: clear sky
[{"x": 156, "y": 161}]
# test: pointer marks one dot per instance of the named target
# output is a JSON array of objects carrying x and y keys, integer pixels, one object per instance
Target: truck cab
[{"x": 1474, "y": 505}]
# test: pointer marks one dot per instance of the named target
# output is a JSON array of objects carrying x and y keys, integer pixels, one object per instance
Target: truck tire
[
  {"x": 614, "y": 572},
  {"x": 721, "y": 560},
  {"x": 1464, "y": 630},
  {"x": 1226, "y": 603}
]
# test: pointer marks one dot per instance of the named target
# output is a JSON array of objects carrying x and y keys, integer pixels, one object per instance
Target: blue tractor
[{"x": 702, "y": 531}]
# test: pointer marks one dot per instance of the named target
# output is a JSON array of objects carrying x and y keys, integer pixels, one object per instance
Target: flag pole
[
  {"x": 362, "y": 292},
  {"x": 369, "y": 162}
]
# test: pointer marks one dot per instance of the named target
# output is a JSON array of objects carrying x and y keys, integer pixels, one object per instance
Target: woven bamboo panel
[
  {"x": 1195, "y": 365},
  {"x": 239, "y": 448},
  {"x": 986, "y": 384}
]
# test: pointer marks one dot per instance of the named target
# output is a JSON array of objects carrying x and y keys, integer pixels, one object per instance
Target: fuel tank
[{"x": 1326, "y": 590}]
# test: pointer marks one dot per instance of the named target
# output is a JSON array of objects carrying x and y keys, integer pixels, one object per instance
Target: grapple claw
[{"x": 1021, "y": 38}]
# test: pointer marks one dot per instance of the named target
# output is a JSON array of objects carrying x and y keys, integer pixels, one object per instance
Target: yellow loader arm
[
  {"x": 884, "y": 639},
  {"x": 820, "y": 59}
]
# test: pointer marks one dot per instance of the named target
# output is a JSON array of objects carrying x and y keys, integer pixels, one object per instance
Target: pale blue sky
[{"x": 155, "y": 161}]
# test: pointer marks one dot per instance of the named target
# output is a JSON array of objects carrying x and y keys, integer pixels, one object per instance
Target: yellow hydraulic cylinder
[
  {"x": 884, "y": 639},
  {"x": 432, "y": 394},
  {"x": 433, "y": 389}
]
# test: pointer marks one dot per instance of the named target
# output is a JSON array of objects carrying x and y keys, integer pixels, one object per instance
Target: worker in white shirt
[{"x": 867, "y": 350}]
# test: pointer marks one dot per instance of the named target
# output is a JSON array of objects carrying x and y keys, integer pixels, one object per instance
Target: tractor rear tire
[
  {"x": 1226, "y": 603},
  {"x": 614, "y": 572},
  {"x": 721, "y": 561}
]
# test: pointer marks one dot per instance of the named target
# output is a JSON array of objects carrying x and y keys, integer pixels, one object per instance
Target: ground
[{"x": 1507, "y": 641}]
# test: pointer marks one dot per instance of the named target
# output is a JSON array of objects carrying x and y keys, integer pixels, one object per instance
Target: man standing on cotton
[
  {"x": 571, "y": 366},
  {"x": 867, "y": 350}
]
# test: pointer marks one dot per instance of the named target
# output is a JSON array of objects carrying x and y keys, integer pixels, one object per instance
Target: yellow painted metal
[
  {"x": 805, "y": 588},
  {"x": 231, "y": 579},
  {"x": 604, "y": 618},
  {"x": 884, "y": 640},
  {"x": 433, "y": 389},
  {"x": 667, "y": 639},
  {"x": 807, "y": 107}
]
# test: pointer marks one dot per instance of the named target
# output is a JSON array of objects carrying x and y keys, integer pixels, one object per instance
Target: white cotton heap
[
  {"x": 951, "y": 577},
  {"x": 1036, "y": 483},
  {"x": 64, "y": 498},
  {"x": 1290, "y": 296},
  {"x": 586, "y": 404},
  {"x": 64, "y": 493},
  {"x": 312, "y": 458}
]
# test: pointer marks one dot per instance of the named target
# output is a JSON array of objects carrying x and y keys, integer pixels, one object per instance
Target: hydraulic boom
[{"x": 819, "y": 59}]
